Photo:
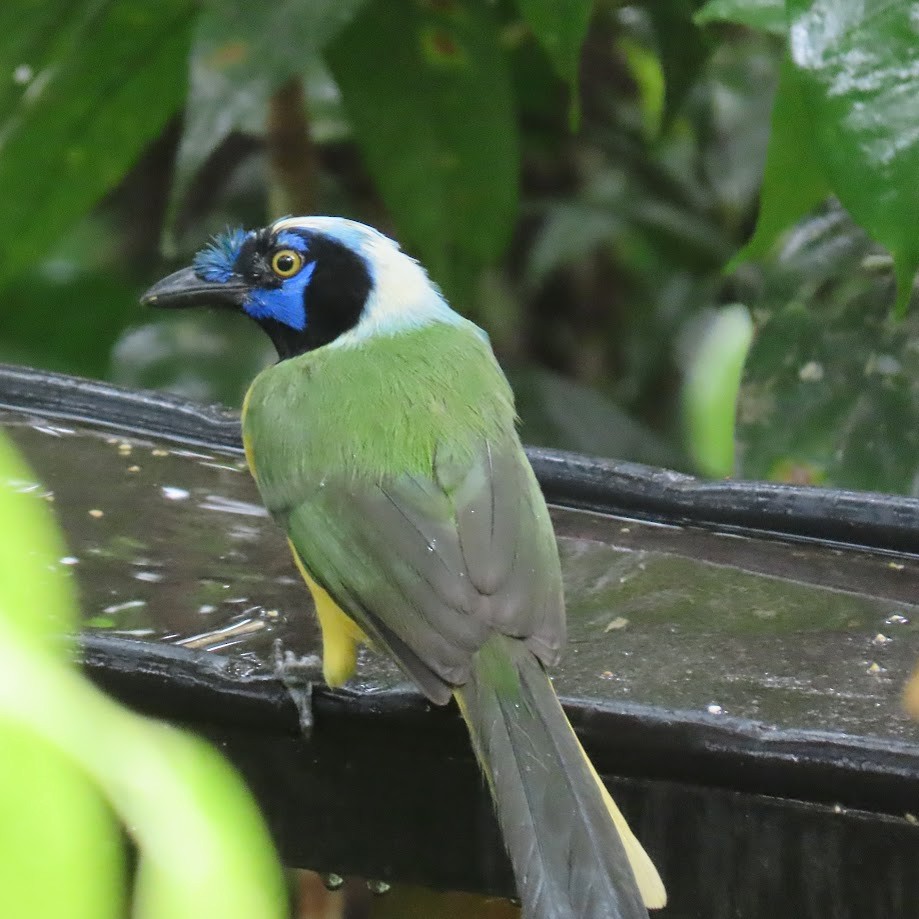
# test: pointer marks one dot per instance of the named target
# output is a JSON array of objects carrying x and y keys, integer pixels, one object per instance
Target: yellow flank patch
[
  {"x": 247, "y": 443},
  {"x": 341, "y": 635}
]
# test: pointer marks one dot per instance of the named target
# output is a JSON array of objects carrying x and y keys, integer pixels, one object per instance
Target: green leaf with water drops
[
  {"x": 829, "y": 394},
  {"x": 793, "y": 181},
  {"x": 427, "y": 89},
  {"x": 711, "y": 385},
  {"x": 859, "y": 76},
  {"x": 560, "y": 26},
  {"x": 765, "y": 15},
  {"x": 95, "y": 84}
]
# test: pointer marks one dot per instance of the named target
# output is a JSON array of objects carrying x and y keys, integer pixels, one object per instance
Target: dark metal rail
[{"x": 886, "y": 522}]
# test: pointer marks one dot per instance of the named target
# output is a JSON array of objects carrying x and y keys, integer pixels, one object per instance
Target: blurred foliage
[
  {"x": 74, "y": 761},
  {"x": 577, "y": 176},
  {"x": 713, "y": 367}
]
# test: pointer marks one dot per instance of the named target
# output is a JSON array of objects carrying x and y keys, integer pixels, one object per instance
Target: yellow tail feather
[{"x": 649, "y": 881}]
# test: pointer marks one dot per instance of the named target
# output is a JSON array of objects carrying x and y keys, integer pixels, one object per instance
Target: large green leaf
[
  {"x": 203, "y": 848},
  {"x": 60, "y": 848},
  {"x": 96, "y": 82},
  {"x": 859, "y": 71},
  {"x": 560, "y": 26},
  {"x": 428, "y": 92},
  {"x": 241, "y": 53},
  {"x": 52, "y": 820},
  {"x": 793, "y": 182}
]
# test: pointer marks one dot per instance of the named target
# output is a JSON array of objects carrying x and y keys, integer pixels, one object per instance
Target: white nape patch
[{"x": 402, "y": 296}]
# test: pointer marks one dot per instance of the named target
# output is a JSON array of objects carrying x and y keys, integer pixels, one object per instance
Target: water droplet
[
  {"x": 172, "y": 493},
  {"x": 151, "y": 577},
  {"x": 22, "y": 74},
  {"x": 378, "y": 888},
  {"x": 70, "y": 560},
  {"x": 206, "y": 608},
  {"x": 95, "y": 513},
  {"x": 333, "y": 881},
  {"x": 121, "y": 607},
  {"x": 715, "y": 709}
]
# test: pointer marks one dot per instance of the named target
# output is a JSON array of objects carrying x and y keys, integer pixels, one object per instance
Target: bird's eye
[{"x": 285, "y": 263}]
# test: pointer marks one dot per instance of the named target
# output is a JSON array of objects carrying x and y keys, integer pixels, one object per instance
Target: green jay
[{"x": 384, "y": 443}]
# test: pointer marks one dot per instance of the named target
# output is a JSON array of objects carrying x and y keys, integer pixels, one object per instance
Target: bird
[{"x": 384, "y": 442}]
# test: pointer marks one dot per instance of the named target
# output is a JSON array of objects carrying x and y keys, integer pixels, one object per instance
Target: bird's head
[{"x": 309, "y": 282}]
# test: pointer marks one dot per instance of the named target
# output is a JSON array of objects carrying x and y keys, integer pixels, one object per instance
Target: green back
[{"x": 377, "y": 409}]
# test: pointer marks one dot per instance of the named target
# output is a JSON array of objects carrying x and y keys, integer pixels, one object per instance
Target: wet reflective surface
[{"x": 172, "y": 545}]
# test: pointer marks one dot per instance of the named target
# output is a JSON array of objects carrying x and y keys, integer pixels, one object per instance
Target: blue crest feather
[{"x": 215, "y": 262}]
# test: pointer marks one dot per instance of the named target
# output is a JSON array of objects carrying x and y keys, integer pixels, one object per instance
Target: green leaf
[
  {"x": 829, "y": 394},
  {"x": 204, "y": 850},
  {"x": 711, "y": 386},
  {"x": 59, "y": 846},
  {"x": 859, "y": 70},
  {"x": 765, "y": 15},
  {"x": 103, "y": 77},
  {"x": 793, "y": 182},
  {"x": 31, "y": 577},
  {"x": 560, "y": 26},
  {"x": 427, "y": 90},
  {"x": 60, "y": 850},
  {"x": 683, "y": 49},
  {"x": 647, "y": 73},
  {"x": 241, "y": 53}
]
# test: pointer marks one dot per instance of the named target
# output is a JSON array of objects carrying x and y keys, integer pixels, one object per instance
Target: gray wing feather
[{"x": 431, "y": 567}]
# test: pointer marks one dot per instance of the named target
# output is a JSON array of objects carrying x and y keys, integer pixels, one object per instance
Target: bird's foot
[{"x": 298, "y": 675}]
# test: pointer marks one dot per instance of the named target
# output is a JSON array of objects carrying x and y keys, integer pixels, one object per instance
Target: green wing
[{"x": 431, "y": 566}]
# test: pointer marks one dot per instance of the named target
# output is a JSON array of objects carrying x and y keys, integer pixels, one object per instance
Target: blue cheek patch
[
  {"x": 284, "y": 304},
  {"x": 216, "y": 262}
]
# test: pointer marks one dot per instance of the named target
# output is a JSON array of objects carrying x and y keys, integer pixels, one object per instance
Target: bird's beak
[{"x": 184, "y": 288}]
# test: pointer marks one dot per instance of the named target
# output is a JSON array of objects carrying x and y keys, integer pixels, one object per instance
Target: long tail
[{"x": 573, "y": 854}]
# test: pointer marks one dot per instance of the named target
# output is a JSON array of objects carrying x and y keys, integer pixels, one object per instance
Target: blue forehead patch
[
  {"x": 291, "y": 240},
  {"x": 215, "y": 262}
]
